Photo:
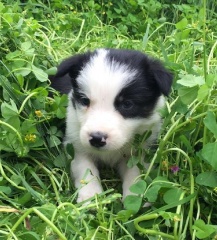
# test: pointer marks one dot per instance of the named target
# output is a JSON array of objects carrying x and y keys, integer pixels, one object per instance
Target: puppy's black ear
[
  {"x": 73, "y": 65},
  {"x": 162, "y": 77},
  {"x": 67, "y": 71}
]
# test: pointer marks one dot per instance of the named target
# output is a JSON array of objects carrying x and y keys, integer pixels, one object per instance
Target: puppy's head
[{"x": 115, "y": 94}]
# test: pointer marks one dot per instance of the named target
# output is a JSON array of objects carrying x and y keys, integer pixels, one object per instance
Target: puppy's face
[{"x": 115, "y": 94}]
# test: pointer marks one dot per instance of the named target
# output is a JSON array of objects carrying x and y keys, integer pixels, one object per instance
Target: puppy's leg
[
  {"x": 86, "y": 177},
  {"x": 128, "y": 176}
]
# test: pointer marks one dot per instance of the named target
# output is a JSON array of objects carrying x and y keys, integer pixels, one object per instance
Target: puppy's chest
[{"x": 111, "y": 158}]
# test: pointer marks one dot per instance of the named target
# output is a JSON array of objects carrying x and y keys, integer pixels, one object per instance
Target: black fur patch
[{"x": 142, "y": 93}]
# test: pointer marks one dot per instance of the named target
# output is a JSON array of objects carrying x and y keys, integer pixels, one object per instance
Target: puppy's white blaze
[{"x": 101, "y": 79}]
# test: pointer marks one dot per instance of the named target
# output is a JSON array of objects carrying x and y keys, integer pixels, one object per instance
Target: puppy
[{"x": 113, "y": 95}]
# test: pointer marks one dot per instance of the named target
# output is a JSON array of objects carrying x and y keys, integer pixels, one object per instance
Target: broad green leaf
[
  {"x": 15, "y": 178},
  {"x": 182, "y": 24},
  {"x": 188, "y": 95},
  {"x": 190, "y": 80},
  {"x": 54, "y": 141},
  {"x": 132, "y": 17},
  {"x": 203, "y": 92},
  {"x": 180, "y": 107},
  {"x": 60, "y": 160},
  {"x": 28, "y": 127},
  {"x": 29, "y": 235},
  {"x": 39, "y": 74},
  {"x": 175, "y": 204},
  {"x": 132, "y": 161},
  {"x": 53, "y": 130},
  {"x": 1, "y": 6},
  {"x": 12, "y": 55},
  {"x": 61, "y": 112},
  {"x": 172, "y": 195},
  {"x": 209, "y": 153},
  {"x": 30, "y": 52},
  {"x": 70, "y": 150},
  {"x": 26, "y": 197},
  {"x": 162, "y": 20},
  {"x": 24, "y": 71},
  {"x": 8, "y": 17},
  {"x": 18, "y": 63},
  {"x": 210, "y": 122},
  {"x": 14, "y": 122},
  {"x": 201, "y": 14},
  {"x": 5, "y": 189},
  {"x": 211, "y": 79},
  {"x": 203, "y": 230},
  {"x": 51, "y": 71},
  {"x": 138, "y": 187},
  {"x": 25, "y": 46},
  {"x": 163, "y": 182},
  {"x": 133, "y": 203},
  {"x": 208, "y": 179},
  {"x": 185, "y": 34},
  {"x": 124, "y": 215},
  {"x": 152, "y": 193},
  {"x": 20, "y": 23},
  {"x": 42, "y": 93},
  {"x": 20, "y": 79},
  {"x": 9, "y": 110},
  {"x": 4, "y": 146}
]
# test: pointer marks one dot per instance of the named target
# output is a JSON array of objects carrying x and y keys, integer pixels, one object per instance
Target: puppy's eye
[
  {"x": 127, "y": 104},
  {"x": 84, "y": 101}
]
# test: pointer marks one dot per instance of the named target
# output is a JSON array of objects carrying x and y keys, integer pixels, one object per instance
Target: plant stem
[
  {"x": 8, "y": 179},
  {"x": 26, "y": 99},
  {"x": 191, "y": 184},
  {"x": 19, "y": 221},
  {"x": 54, "y": 228},
  {"x": 151, "y": 231},
  {"x": 51, "y": 179},
  {"x": 17, "y": 133}
]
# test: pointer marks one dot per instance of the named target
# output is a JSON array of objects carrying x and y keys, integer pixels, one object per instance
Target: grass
[{"x": 37, "y": 198}]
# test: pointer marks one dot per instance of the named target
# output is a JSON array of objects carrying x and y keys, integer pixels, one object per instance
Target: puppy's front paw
[{"x": 89, "y": 190}]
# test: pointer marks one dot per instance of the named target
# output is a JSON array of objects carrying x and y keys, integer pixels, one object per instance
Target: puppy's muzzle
[{"x": 98, "y": 139}]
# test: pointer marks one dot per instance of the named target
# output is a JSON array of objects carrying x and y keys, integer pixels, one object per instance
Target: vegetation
[{"x": 37, "y": 199}]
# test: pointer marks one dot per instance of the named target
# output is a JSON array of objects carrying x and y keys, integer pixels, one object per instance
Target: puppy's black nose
[{"x": 98, "y": 139}]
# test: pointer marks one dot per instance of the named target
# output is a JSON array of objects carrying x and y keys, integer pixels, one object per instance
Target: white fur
[{"x": 101, "y": 83}]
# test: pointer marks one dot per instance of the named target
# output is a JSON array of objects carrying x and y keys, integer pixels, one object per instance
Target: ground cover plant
[{"x": 37, "y": 198}]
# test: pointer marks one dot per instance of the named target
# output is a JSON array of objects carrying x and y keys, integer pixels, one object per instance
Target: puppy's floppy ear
[
  {"x": 162, "y": 77},
  {"x": 67, "y": 71},
  {"x": 73, "y": 65}
]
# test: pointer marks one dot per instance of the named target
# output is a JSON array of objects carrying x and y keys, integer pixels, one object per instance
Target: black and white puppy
[{"x": 113, "y": 95}]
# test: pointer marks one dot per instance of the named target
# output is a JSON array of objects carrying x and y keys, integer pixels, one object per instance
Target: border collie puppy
[{"x": 113, "y": 95}]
